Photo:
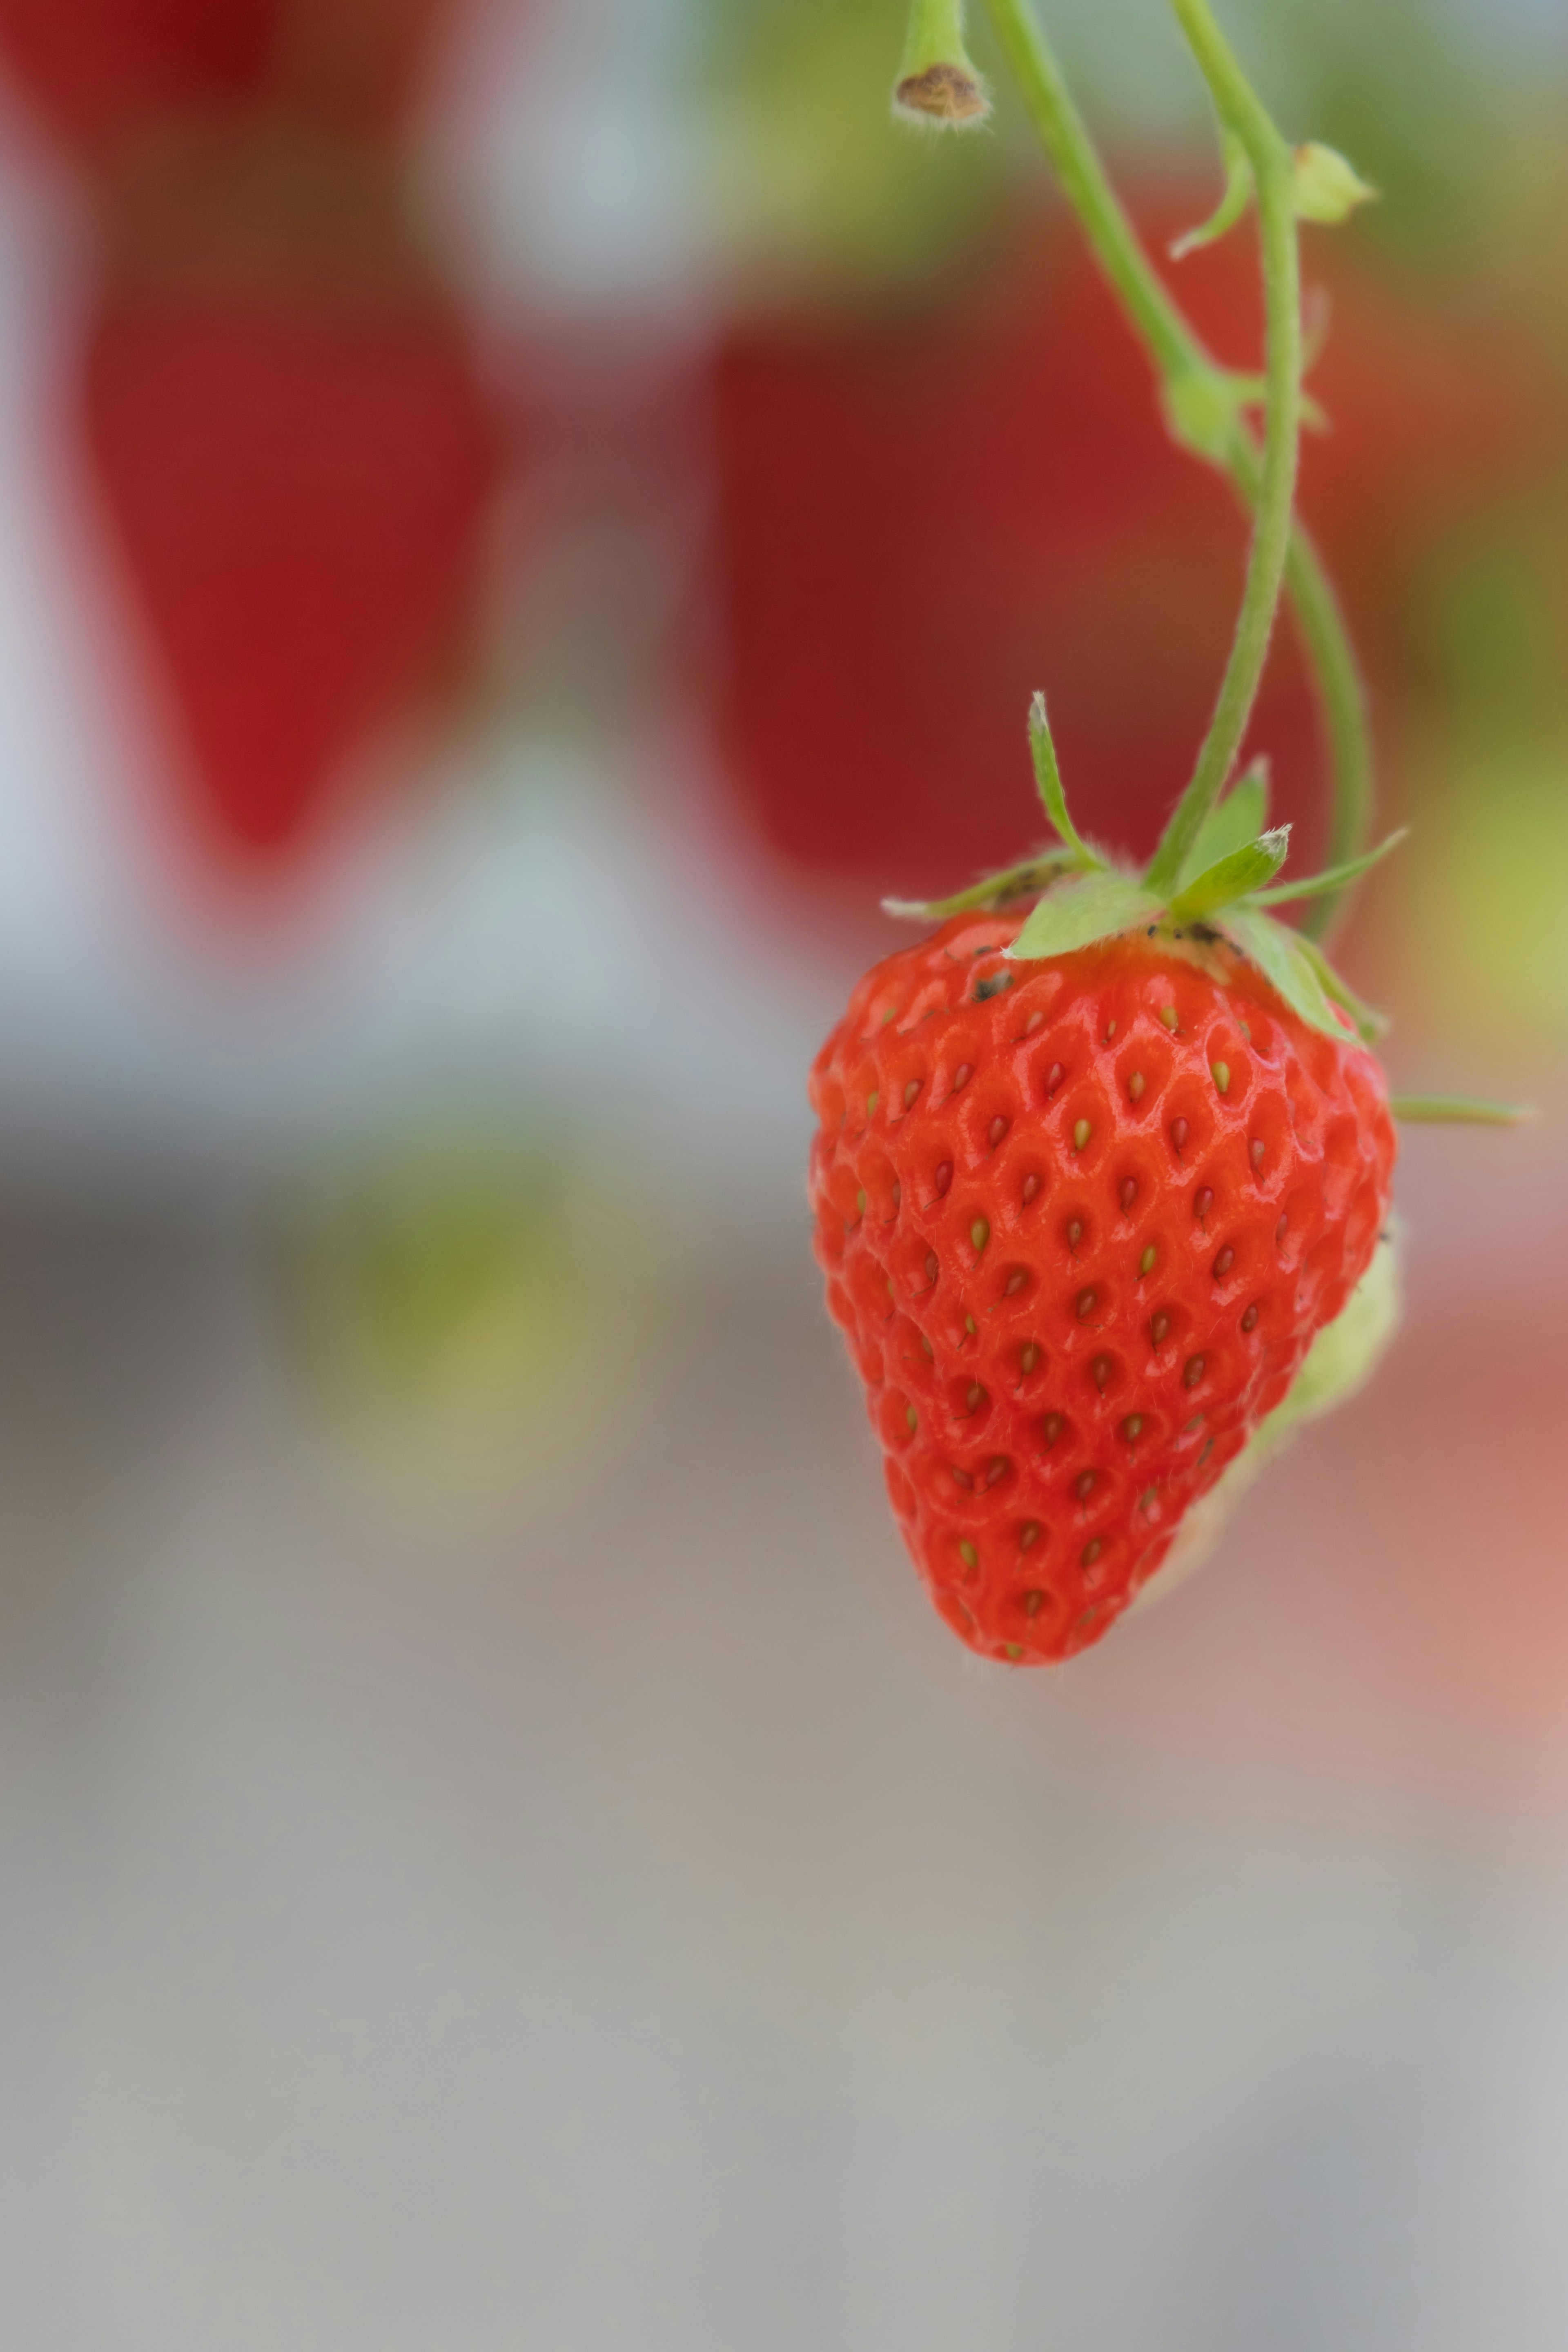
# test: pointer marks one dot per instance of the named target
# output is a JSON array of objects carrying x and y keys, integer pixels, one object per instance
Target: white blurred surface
[{"x": 638, "y": 1925}]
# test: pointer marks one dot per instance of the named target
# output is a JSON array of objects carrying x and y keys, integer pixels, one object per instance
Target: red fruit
[
  {"x": 1080, "y": 1222},
  {"x": 298, "y": 491},
  {"x": 105, "y": 68}
]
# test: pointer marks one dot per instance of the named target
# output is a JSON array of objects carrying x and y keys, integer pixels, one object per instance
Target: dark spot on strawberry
[
  {"x": 1102, "y": 1370},
  {"x": 996, "y": 1130},
  {"x": 942, "y": 1179},
  {"x": 1090, "y": 1552},
  {"x": 1074, "y": 1233},
  {"x": 1029, "y": 1358},
  {"x": 1203, "y": 1201},
  {"x": 1083, "y": 1485},
  {"x": 1179, "y": 1136},
  {"x": 932, "y": 1268},
  {"x": 1281, "y": 1229},
  {"x": 1128, "y": 1194},
  {"x": 1028, "y": 1535},
  {"x": 1031, "y": 1186},
  {"x": 1159, "y": 1325},
  {"x": 994, "y": 986},
  {"x": 1224, "y": 1262},
  {"x": 962, "y": 1478},
  {"x": 1193, "y": 1372},
  {"x": 1051, "y": 1428},
  {"x": 1132, "y": 1428},
  {"x": 961, "y": 1077},
  {"x": 910, "y": 1091},
  {"x": 1086, "y": 1301},
  {"x": 1033, "y": 1604},
  {"x": 996, "y": 1469},
  {"x": 1249, "y": 1321}
]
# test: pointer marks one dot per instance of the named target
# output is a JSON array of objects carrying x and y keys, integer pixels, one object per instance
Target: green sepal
[
  {"x": 1369, "y": 1024},
  {"x": 1233, "y": 877},
  {"x": 992, "y": 891},
  {"x": 1233, "y": 822},
  {"x": 1053, "y": 794},
  {"x": 1458, "y": 1110},
  {"x": 1232, "y": 204},
  {"x": 1280, "y": 955},
  {"x": 1088, "y": 908},
  {"x": 1320, "y": 886}
]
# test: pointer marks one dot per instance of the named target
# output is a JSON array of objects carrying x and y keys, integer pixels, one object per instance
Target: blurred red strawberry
[
  {"x": 919, "y": 523},
  {"x": 104, "y": 69},
  {"x": 298, "y": 490}
]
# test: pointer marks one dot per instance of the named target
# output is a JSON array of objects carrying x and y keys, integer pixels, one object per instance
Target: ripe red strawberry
[
  {"x": 105, "y": 69},
  {"x": 1080, "y": 1220},
  {"x": 298, "y": 489}
]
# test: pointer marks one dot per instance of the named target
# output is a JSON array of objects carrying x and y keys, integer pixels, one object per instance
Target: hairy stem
[{"x": 1181, "y": 360}]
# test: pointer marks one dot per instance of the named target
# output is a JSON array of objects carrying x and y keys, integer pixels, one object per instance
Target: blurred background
[{"x": 519, "y": 523}]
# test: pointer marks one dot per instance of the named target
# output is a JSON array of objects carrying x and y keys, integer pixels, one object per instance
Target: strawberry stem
[
  {"x": 1183, "y": 362},
  {"x": 1242, "y": 113}
]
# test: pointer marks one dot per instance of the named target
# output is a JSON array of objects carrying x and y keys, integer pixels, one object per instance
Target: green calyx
[{"x": 1224, "y": 888}]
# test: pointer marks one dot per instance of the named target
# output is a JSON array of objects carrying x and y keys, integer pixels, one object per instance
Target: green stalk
[
  {"x": 1184, "y": 365},
  {"x": 1271, "y": 159}
]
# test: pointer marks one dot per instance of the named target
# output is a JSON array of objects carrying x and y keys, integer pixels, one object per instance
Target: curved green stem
[
  {"x": 1270, "y": 161},
  {"x": 1183, "y": 362},
  {"x": 1342, "y": 697}
]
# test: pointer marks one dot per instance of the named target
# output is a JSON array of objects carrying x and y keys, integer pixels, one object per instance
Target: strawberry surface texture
[{"x": 1081, "y": 1221}]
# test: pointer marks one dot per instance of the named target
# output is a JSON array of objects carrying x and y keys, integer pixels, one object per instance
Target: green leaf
[
  {"x": 1369, "y": 1024},
  {"x": 1239, "y": 818},
  {"x": 1458, "y": 1110},
  {"x": 1279, "y": 954},
  {"x": 1233, "y": 877},
  {"x": 1048, "y": 777},
  {"x": 1078, "y": 912},
  {"x": 1318, "y": 886},
  {"x": 992, "y": 890},
  {"x": 1232, "y": 204}
]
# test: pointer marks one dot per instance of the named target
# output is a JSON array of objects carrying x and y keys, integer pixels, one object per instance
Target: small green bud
[
  {"x": 1203, "y": 410},
  {"x": 1325, "y": 186},
  {"x": 938, "y": 86}
]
